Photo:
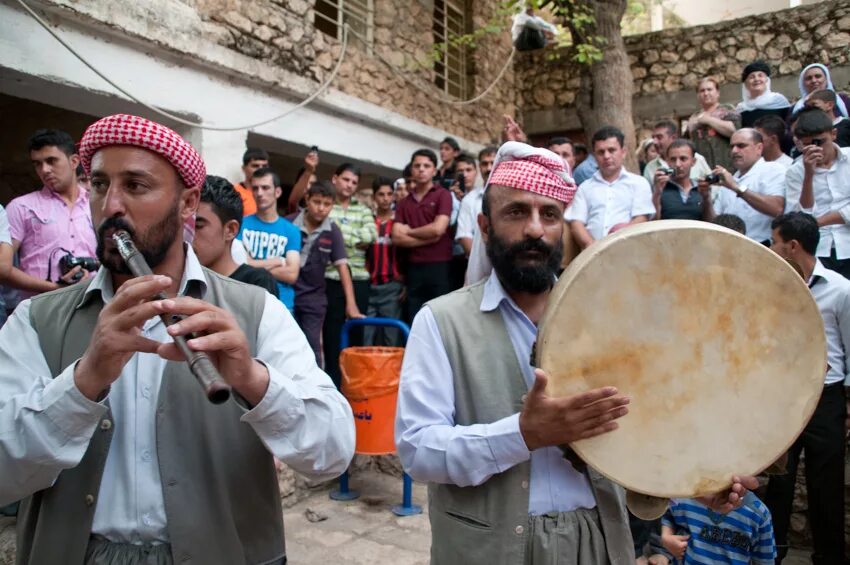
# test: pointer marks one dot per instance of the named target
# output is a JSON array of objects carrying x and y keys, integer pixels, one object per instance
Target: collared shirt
[
  {"x": 677, "y": 205},
  {"x": 784, "y": 160},
  {"x": 45, "y": 225},
  {"x": 585, "y": 169},
  {"x": 699, "y": 170},
  {"x": 831, "y": 292},
  {"x": 831, "y": 190},
  {"x": 321, "y": 247},
  {"x": 601, "y": 205},
  {"x": 417, "y": 213},
  {"x": 470, "y": 207},
  {"x": 357, "y": 225},
  {"x": 765, "y": 178},
  {"x": 46, "y": 424},
  {"x": 434, "y": 449}
]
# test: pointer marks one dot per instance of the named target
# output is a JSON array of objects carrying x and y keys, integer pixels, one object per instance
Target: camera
[
  {"x": 666, "y": 170},
  {"x": 817, "y": 142},
  {"x": 69, "y": 261},
  {"x": 461, "y": 181},
  {"x": 712, "y": 178},
  {"x": 314, "y": 148}
]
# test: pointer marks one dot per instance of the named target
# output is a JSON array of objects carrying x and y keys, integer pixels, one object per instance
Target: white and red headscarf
[
  {"x": 523, "y": 167},
  {"x": 124, "y": 129}
]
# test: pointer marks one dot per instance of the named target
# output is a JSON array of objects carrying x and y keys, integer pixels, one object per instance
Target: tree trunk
[{"x": 606, "y": 91}]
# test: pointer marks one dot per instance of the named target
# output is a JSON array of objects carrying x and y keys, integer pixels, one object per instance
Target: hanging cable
[
  {"x": 178, "y": 119},
  {"x": 430, "y": 92}
]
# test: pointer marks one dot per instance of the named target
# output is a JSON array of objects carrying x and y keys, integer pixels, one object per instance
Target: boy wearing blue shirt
[
  {"x": 694, "y": 534},
  {"x": 272, "y": 242}
]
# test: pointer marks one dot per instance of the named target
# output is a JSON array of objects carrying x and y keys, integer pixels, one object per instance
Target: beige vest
[
  {"x": 219, "y": 483},
  {"x": 488, "y": 524}
]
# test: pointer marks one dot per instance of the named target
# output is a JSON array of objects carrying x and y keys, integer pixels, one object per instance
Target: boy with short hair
[
  {"x": 218, "y": 220},
  {"x": 386, "y": 291},
  {"x": 744, "y": 536},
  {"x": 322, "y": 244}
]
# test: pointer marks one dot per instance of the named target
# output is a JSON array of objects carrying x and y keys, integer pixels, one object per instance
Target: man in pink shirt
[{"x": 49, "y": 223}]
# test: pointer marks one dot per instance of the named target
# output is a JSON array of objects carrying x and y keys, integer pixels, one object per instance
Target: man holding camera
[
  {"x": 51, "y": 228},
  {"x": 673, "y": 189},
  {"x": 755, "y": 193},
  {"x": 819, "y": 184}
]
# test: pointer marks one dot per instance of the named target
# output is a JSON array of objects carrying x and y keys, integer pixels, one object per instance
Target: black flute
[{"x": 216, "y": 389}]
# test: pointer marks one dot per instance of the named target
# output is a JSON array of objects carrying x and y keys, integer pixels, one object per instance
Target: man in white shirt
[
  {"x": 613, "y": 197},
  {"x": 819, "y": 183},
  {"x": 773, "y": 130},
  {"x": 795, "y": 237},
  {"x": 755, "y": 193},
  {"x": 470, "y": 206},
  {"x": 474, "y": 418},
  {"x": 98, "y": 405},
  {"x": 664, "y": 133}
]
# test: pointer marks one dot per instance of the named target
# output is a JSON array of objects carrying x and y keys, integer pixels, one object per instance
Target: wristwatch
[{"x": 741, "y": 190}]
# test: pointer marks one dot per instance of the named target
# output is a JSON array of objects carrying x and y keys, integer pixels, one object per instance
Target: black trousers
[
  {"x": 823, "y": 440},
  {"x": 841, "y": 266},
  {"x": 426, "y": 281},
  {"x": 335, "y": 318}
]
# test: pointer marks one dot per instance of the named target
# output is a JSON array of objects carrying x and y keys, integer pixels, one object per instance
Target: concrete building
[{"x": 230, "y": 63}]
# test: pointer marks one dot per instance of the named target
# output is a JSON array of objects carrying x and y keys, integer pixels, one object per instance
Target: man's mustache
[{"x": 116, "y": 224}]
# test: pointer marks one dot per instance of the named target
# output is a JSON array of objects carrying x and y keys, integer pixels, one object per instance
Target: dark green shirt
[{"x": 675, "y": 206}]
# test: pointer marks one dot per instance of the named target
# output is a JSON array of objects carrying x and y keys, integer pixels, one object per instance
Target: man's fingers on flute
[
  {"x": 208, "y": 321},
  {"x": 187, "y": 306},
  {"x": 136, "y": 316},
  {"x": 219, "y": 341},
  {"x": 138, "y": 289}
]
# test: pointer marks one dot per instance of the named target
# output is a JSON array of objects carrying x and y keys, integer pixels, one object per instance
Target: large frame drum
[{"x": 715, "y": 338}]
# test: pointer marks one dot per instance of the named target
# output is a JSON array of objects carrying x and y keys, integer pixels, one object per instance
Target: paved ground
[{"x": 365, "y": 532}]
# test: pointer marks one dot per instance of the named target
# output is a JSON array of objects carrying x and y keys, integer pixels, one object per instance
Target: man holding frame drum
[{"x": 474, "y": 419}]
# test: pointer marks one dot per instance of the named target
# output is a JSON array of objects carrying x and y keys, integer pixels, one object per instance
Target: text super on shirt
[{"x": 266, "y": 240}]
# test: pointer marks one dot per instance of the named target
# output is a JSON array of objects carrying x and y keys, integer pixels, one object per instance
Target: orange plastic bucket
[
  {"x": 370, "y": 383},
  {"x": 374, "y": 419}
]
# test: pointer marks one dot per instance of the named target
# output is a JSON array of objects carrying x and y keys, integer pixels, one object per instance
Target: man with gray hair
[{"x": 755, "y": 192}]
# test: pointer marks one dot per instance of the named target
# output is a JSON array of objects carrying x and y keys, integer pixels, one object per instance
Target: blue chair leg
[
  {"x": 407, "y": 508},
  {"x": 344, "y": 493}
]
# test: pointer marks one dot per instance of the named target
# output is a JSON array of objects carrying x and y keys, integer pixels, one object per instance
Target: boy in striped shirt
[{"x": 694, "y": 534}]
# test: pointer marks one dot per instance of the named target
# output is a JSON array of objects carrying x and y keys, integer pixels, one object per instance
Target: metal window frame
[
  {"x": 360, "y": 15},
  {"x": 451, "y": 71}
]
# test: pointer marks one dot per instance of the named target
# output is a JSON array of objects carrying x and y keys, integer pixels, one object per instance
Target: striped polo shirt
[{"x": 741, "y": 537}]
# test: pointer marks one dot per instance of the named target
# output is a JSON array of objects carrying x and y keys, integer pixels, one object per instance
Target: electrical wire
[
  {"x": 430, "y": 92},
  {"x": 178, "y": 119}
]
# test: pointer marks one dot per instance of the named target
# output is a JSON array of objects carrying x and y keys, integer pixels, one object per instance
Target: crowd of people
[{"x": 328, "y": 250}]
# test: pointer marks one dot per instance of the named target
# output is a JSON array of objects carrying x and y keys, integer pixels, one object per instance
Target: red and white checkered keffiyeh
[
  {"x": 124, "y": 129},
  {"x": 534, "y": 169}
]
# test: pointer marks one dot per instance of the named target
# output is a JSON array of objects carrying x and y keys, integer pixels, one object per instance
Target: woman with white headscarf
[
  {"x": 816, "y": 77},
  {"x": 758, "y": 99}
]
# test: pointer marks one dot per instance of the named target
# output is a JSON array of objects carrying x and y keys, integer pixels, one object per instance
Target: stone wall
[
  {"x": 282, "y": 32},
  {"x": 672, "y": 61}
]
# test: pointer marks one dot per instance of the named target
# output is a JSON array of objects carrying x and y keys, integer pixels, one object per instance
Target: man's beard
[
  {"x": 534, "y": 277},
  {"x": 153, "y": 244}
]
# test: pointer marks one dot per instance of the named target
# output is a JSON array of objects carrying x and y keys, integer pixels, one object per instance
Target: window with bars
[
  {"x": 450, "y": 70},
  {"x": 358, "y": 14}
]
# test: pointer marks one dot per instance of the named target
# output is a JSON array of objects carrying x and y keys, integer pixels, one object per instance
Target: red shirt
[
  {"x": 417, "y": 213},
  {"x": 380, "y": 258}
]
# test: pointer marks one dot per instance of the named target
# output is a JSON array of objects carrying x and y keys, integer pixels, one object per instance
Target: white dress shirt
[
  {"x": 784, "y": 160},
  {"x": 765, "y": 178},
  {"x": 470, "y": 207},
  {"x": 832, "y": 295},
  {"x": 433, "y": 449},
  {"x": 46, "y": 424},
  {"x": 831, "y": 189},
  {"x": 5, "y": 234},
  {"x": 601, "y": 205}
]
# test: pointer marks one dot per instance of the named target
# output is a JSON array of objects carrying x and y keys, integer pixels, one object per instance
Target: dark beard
[
  {"x": 535, "y": 277},
  {"x": 153, "y": 244}
]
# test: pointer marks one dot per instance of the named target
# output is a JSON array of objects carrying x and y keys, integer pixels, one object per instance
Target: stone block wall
[
  {"x": 282, "y": 32},
  {"x": 674, "y": 60}
]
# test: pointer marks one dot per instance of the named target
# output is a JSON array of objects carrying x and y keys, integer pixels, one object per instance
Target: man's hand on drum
[
  {"x": 548, "y": 421},
  {"x": 733, "y": 497}
]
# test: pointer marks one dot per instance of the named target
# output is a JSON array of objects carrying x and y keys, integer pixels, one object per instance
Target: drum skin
[{"x": 716, "y": 340}]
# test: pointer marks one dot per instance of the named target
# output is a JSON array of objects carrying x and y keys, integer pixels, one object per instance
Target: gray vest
[
  {"x": 488, "y": 524},
  {"x": 219, "y": 483}
]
